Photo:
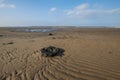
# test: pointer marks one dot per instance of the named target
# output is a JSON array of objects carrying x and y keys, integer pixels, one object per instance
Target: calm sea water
[{"x": 37, "y": 30}]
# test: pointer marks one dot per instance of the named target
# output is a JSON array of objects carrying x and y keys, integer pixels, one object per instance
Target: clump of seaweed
[
  {"x": 1, "y": 35},
  {"x": 8, "y": 43},
  {"x": 50, "y": 34},
  {"x": 52, "y": 51}
]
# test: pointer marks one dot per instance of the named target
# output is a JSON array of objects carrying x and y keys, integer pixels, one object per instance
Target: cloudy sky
[{"x": 60, "y": 13}]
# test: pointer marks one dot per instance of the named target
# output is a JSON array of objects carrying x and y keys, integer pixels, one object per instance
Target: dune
[{"x": 90, "y": 54}]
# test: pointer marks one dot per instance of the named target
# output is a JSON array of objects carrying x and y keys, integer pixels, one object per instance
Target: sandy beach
[{"x": 90, "y": 54}]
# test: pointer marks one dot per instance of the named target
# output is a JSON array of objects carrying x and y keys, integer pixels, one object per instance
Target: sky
[{"x": 60, "y": 13}]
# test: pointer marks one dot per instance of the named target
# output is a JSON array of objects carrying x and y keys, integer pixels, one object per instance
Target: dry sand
[{"x": 90, "y": 54}]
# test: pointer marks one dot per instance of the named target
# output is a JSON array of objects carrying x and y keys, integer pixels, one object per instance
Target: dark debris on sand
[
  {"x": 1, "y": 35},
  {"x": 52, "y": 51},
  {"x": 8, "y": 43},
  {"x": 50, "y": 34}
]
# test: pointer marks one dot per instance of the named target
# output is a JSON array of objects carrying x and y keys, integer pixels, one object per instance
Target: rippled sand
[{"x": 90, "y": 54}]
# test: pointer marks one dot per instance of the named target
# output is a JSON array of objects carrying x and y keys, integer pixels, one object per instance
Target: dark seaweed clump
[
  {"x": 8, "y": 43},
  {"x": 1, "y": 35},
  {"x": 50, "y": 34},
  {"x": 52, "y": 51}
]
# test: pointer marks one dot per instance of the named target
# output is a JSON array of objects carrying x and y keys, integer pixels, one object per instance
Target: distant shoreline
[{"x": 59, "y": 26}]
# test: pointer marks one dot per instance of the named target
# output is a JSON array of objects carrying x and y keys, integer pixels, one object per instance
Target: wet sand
[{"x": 90, "y": 54}]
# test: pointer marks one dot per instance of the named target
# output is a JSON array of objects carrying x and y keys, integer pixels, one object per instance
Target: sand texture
[{"x": 90, "y": 54}]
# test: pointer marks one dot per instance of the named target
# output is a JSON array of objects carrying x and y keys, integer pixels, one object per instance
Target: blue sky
[{"x": 60, "y": 13}]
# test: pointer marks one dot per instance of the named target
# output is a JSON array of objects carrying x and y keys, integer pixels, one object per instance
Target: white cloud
[
  {"x": 1, "y": 1},
  {"x": 53, "y": 9},
  {"x": 12, "y": 6},
  {"x": 82, "y": 6},
  {"x": 85, "y": 10},
  {"x": 3, "y": 5}
]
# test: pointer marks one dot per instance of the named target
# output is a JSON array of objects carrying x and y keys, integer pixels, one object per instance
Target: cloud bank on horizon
[{"x": 64, "y": 13}]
